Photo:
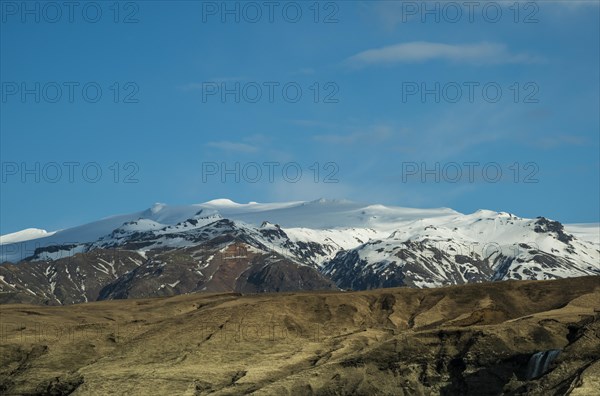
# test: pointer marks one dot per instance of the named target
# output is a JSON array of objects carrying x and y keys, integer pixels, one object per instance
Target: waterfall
[{"x": 539, "y": 363}]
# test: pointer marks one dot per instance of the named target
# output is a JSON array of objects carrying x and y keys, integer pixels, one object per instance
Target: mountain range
[{"x": 223, "y": 246}]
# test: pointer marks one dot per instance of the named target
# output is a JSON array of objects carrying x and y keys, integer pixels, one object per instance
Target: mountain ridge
[{"x": 348, "y": 245}]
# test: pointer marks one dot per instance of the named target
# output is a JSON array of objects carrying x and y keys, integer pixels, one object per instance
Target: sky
[{"x": 107, "y": 108}]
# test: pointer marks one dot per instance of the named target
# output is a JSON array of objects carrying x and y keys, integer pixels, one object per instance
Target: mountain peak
[
  {"x": 222, "y": 202},
  {"x": 329, "y": 201},
  {"x": 157, "y": 207}
]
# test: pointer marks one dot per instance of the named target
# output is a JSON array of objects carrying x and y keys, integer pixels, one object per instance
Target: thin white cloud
[
  {"x": 373, "y": 134},
  {"x": 558, "y": 141},
  {"x": 423, "y": 51},
  {"x": 233, "y": 146}
]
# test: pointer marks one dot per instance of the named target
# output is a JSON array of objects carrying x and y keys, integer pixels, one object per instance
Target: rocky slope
[
  {"x": 69, "y": 280},
  {"x": 485, "y": 246},
  {"x": 221, "y": 264},
  {"x": 514, "y": 337}
]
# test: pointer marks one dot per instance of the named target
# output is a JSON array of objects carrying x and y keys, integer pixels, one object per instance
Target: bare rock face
[
  {"x": 236, "y": 268},
  {"x": 69, "y": 280},
  {"x": 220, "y": 257}
]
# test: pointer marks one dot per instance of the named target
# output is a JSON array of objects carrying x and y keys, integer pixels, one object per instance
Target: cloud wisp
[
  {"x": 373, "y": 134},
  {"x": 422, "y": 51}
]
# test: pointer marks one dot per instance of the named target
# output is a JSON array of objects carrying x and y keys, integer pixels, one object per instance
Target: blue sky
[{"x": 161, "y": 118}]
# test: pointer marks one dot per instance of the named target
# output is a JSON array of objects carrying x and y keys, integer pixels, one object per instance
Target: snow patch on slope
[{"x": 24, "y": 235}]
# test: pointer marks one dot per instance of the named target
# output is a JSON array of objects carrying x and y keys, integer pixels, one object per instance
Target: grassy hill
[{"x": 471, "y": 339}]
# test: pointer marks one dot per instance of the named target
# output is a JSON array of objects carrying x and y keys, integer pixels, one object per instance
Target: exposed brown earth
[
  {"x": 118, "y": 274},
  {"x": 470, "y": 339}
]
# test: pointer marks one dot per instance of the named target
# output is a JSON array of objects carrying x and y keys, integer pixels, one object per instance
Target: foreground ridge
[{"x": 534, "y": 337}]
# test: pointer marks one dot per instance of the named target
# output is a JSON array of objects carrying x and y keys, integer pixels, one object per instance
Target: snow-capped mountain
[
  {"x": 288, "y": 246},
  {"x": 297, "y": 216},
  {"x": 468, "y": 248}
]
